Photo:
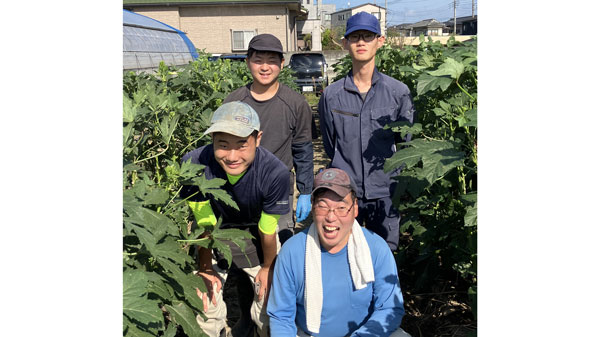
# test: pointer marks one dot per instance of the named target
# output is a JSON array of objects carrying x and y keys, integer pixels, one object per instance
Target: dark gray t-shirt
[{"x": 285, "y": 119}]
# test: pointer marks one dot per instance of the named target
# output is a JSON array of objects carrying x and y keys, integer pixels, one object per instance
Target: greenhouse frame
[{"x": 147, "y": 42}]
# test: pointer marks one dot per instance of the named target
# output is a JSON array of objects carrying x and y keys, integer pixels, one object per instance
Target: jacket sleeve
[
  {"x": 326, "y": 126},
  {"x": 302, "y": 149},
  {"x": 282, "y": 298},
  {"x": 388, "y": 303},
  {"x": 406, "y": 112},
  {"x": 304, "y": 166}
]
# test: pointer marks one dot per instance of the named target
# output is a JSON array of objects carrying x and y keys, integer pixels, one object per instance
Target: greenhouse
[{"x": 146, "y": 42}]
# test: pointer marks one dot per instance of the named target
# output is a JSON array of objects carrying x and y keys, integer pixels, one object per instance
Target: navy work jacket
[{"x": 353, "y": 134}]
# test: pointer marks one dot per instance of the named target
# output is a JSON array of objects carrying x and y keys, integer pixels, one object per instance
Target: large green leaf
[
  {"x": 185, "y": 279},
  {"x": 133, "y": 331},
  {"x": 411, "y": 181},
  {"x": 221, "y": 195},
  {"x": 129, "y": 110},
  {"x": 224, "y": 249},
  {"x": 142, "y": 234},
  {"x": 136, "y": 305},
  {"x": 471, "y": 118},
  {"x": 405, "y": 128},
  {"x": 431, "y": 145},
  {"x": 185, "y": 317},
  {"x": 450, "y": 67},
  {"x": 155, "y": 222},
  {"x": 471, "y": 216},
  {"x": 167, "y": 127},
  {"x": 409, "y": 156},
  {"x": 426, "y": 83},
  {"x": 156, "y": 196},
  {"x": 158, "y": 286},
  {"x": 171, "y": 331},
  {"x": 436, "y": 165},
  {"x": 169, "y": 248}
]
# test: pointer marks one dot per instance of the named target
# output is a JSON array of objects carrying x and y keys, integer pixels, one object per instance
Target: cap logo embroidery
[
  {"x": 242, "y": 119},
  {"x": 329, "y": 175}
]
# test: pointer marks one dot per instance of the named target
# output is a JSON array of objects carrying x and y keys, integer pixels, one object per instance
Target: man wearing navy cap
[
  {"x": 285, "y": 119},
  {"x": 353, "y": 112}
]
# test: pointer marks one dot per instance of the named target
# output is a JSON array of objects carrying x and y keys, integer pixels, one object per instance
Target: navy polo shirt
[{"x": 263, "y": 187}]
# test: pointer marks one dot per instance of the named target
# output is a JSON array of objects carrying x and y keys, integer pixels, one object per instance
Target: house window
[
  {"x": 327, "y": 17},
  {"x": 241, "y": 38},
  {"x": 377, "y": 15},
  {"x": 308, "y": 2},
  {"x": 341, "y": 17}
]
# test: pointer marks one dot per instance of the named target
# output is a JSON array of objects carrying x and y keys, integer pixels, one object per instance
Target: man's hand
[
  {"x": 263, "y": 279},
  {"x": 210, "y": 277},
  {"x": 302, "y": 207}
]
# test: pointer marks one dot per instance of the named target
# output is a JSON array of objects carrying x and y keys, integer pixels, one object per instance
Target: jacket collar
[{"x": 349, "y": 80}]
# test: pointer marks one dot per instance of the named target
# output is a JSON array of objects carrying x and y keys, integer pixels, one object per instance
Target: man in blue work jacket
[{"x": 353, "y": 112}]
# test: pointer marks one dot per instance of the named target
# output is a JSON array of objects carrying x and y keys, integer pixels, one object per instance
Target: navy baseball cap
[
  {"x": 362, "y": 21},
  {"x": 266, "y": 42}
]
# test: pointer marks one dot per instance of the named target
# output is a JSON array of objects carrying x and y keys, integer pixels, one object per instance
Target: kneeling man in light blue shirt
[{"x": 335, "y": 278}]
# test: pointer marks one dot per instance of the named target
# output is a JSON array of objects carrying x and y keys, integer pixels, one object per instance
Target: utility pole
[
  {"x": 385, "y": 21},
  {"x": 454, "y": 17},
  {"x": 472, "y": 8}
]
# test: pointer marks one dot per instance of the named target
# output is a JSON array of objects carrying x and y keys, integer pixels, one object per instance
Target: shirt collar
[{"x": 349, "y": 80}]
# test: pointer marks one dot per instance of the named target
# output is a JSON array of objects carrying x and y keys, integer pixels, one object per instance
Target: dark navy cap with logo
[{"x": 362, "y": 21}]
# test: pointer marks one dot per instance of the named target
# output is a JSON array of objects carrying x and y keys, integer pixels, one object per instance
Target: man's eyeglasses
[
  {"x": 367, "y": 37},
  {"x": 341, "y": 211}
]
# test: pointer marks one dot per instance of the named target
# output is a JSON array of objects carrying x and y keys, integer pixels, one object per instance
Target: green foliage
[
  {"x": 437, "y": 188},
  {"x": 330, "y": 39},
  {"x": 164, "y": 116}
]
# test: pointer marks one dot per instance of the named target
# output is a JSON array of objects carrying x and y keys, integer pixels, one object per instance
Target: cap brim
[
  {"x": 361, "y": 27},
  {"x": 268, "y": 49},
  {"x": 230, "y": 128},
  {"x": 341, "y": 191}
]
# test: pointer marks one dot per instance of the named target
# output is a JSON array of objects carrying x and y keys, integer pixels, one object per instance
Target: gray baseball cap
[{"x": 235, "y": 118}]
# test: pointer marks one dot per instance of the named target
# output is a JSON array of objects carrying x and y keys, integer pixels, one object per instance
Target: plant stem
[
  {"x": 175, "y": 205},
  {"x": 463, "y": 90},
  {"x": 174, "y": 195},
  {"x": 193, "y": 142},
  {"x": 158, "y": 154}
]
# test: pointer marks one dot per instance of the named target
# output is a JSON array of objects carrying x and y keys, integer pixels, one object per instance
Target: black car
[
  {"x": 232, "y": 57},
  {"x": 310, "y": 71}
]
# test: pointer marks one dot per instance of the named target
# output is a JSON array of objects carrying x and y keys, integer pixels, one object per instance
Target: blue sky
[{"x": 410, "y": 11}]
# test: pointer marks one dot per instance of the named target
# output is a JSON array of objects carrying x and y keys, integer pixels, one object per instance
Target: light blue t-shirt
[{"x": 376, "y": 309}]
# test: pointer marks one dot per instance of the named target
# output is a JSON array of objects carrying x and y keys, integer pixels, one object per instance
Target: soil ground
[{"x": 444, "y": 311}]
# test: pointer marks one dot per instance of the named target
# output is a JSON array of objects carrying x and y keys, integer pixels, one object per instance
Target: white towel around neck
[{"x": 361, "y": 270}]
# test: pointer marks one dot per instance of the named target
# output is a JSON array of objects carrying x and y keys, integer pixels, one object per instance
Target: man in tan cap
[{"x": 258, "y": 182}]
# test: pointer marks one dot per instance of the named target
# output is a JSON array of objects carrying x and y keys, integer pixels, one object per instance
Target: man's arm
[
  {"x": 204, "y": 216},
  {"x": 265, "y": 274},
  {"x": 282, "y": 300},
  {"x": 304, "y": 166},
  {"x": 302, "y": 153},
  {"x": 388, "y": 302}
]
